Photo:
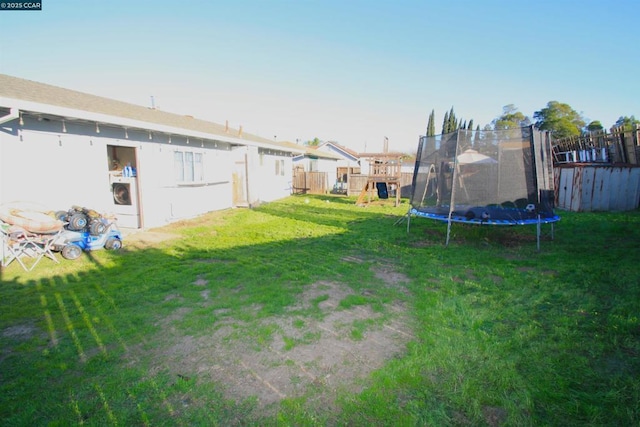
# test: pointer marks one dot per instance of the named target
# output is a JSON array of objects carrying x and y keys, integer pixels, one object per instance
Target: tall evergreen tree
[
  {"x": 476, "y": 134},
  {"x": 445, "y": 123},
  {"x": 431, "y": 126},
  {"x": 453, "y": 123}
]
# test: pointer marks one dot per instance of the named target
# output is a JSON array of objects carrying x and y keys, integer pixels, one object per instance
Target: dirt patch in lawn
[
  {"x": 320, "y": 348},
  {"x": 22, "y": 332}
]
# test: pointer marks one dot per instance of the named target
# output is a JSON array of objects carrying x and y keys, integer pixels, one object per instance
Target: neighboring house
[
  {"x": 354, "y": 169},
  {"x": 348, "y": 164},
  {"x": 60, "y": 147},
  {"x": 313, "y": 160},
  {"x": 315, "y": 171},
  {"x": 408, "y": 165}
]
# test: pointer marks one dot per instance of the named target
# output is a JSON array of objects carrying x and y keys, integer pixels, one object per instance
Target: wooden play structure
[{"x": 384, "y": 177}]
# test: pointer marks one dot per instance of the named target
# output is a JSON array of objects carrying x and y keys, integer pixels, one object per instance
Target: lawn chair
[{"x": 25, "y": 247}]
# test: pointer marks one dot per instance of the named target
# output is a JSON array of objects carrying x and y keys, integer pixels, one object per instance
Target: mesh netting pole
[{"x": 452, "y": 199}]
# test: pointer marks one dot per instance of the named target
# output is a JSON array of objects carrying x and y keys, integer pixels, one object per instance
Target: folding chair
[{"x": 19, "y": 244}]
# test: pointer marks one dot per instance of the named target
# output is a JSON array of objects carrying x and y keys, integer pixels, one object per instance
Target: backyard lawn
[{"x": 313, "y": 311}]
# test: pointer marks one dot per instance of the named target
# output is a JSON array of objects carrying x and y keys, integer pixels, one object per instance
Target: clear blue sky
[{"x": 345, "y": 70}]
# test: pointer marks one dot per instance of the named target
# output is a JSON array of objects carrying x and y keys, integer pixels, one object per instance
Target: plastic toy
[{"x": 71, "y": 243}]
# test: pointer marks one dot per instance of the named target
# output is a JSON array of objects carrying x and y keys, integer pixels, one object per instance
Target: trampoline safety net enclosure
[{"x": 501, "y": 177}]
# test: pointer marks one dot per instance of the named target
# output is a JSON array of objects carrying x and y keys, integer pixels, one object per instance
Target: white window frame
[
  {"x": 280, "y": 167},
  {"x": 188, "y": 166}
]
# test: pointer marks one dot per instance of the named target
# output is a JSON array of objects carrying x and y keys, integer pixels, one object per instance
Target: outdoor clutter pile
[
  {"x": 85, "y": 229},
  {"x": 30, "y": 232}
]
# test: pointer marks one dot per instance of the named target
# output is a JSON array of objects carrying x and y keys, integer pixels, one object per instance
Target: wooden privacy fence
[
  {"x": 318, "y": 183},
  {"x": 598, "y": 171},
  {"x": 597, "y": 187},
  {"x": 309, "y": 182},
  {"x": 617, "y": 146}
]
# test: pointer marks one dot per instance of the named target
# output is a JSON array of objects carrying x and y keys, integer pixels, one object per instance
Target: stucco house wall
[
  {"x": 62, "y": 154},
  {"x": 273, "y": 175},
  {"x": 164, "y": 198},
  {"x": 40, "y": 163},
  {"x": 319, "y": 162}
]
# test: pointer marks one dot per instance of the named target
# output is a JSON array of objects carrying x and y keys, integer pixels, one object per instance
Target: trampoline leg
[
  {"x": 402, "y": 218},
  {"x": 552, "y": 230}
]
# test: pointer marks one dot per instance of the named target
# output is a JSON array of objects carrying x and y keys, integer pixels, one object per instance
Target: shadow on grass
[
  {"x": 505, "y": 335},
  {"x": 86, "y": 330}
]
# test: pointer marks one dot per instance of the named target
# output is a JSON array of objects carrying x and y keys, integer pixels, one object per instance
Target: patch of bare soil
[
  {"x": 514, "y": 240},
  {"x": 304, "y": 355},
  {"x": 432, "y": 238},
  {"x": 494, "y": 416},
  {"x": 21, "y": 332},
  {"x": 17, "y": 333}
]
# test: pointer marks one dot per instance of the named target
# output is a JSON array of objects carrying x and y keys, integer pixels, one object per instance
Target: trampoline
[{"x": 500, "y": 178}]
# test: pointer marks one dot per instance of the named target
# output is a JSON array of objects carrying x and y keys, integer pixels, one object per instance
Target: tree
[
  {"x": 560, "y": 119},
  {"x": 449, "y": 124},
  {"x": 445, "y": 123},
  {"x": 595, "y": 126},
  {"x": 431, "y": 126},
  {"x": 511, "y": 118},
  {"x": 313, "y": 143},
  {"x": 626, "y": 123},
  {"x": 453, "y": 122}
]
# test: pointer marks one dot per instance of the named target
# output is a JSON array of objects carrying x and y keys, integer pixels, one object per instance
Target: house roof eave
[
  {"x": 336, "y": 148},
  {"x": 64, "y": 112}
]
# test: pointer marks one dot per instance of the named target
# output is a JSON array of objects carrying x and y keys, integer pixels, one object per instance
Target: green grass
[{"x": 503, "y": 334}]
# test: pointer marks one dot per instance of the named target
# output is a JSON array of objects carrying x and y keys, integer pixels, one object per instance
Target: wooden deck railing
[{"x": 617, "y": 146}]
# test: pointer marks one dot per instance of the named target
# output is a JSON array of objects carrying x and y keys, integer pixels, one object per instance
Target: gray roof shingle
[{"x": 27, "y": 90}]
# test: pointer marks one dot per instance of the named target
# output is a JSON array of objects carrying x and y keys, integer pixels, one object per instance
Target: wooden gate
[
  {"x": 309, "y": 182},
  {"x": 239, "y": 184}
]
